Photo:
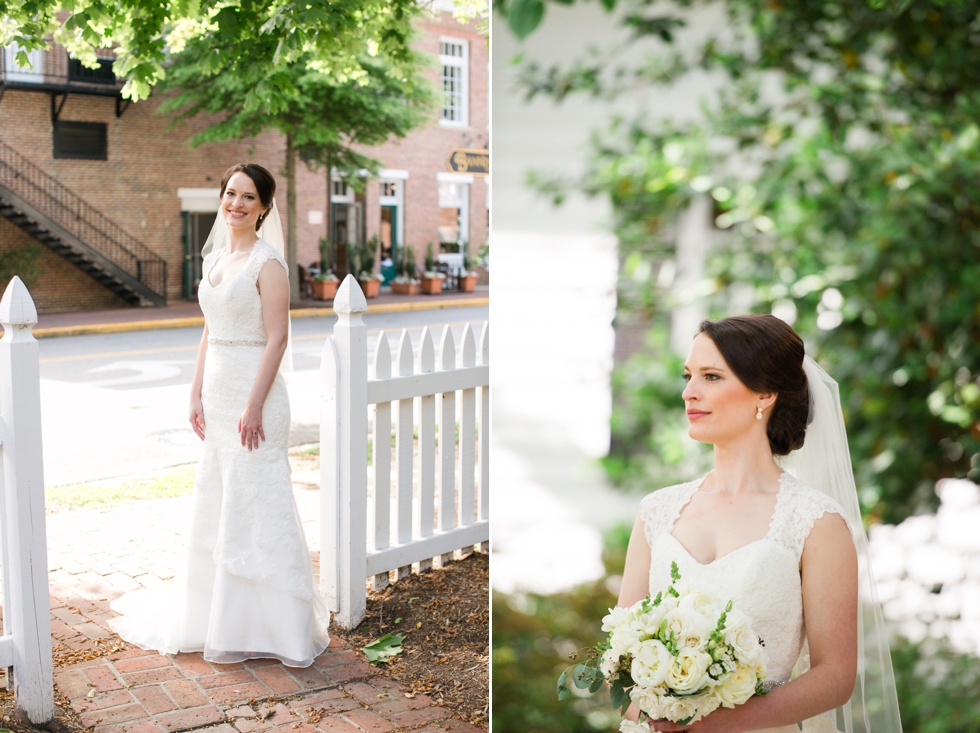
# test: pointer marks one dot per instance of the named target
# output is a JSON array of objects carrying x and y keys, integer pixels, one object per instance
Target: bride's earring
[{"x": 758, "y": 414}]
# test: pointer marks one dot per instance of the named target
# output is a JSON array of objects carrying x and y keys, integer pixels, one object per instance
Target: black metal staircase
[{"x": 59, "y": 219}]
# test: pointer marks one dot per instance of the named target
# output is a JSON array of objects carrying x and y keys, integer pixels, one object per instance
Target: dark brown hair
[
  {"x": 766, "y": 354},
  {"x": 265, "y": 184}
]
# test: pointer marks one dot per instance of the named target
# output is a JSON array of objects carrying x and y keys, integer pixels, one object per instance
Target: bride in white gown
[
  {"x": 246, "y": 587},
  {"x": 790, "y": 555}
]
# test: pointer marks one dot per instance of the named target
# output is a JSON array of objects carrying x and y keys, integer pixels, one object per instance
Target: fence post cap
[
  {"x": 349, "y": 298},
  {"x": 17, "y": 308}
]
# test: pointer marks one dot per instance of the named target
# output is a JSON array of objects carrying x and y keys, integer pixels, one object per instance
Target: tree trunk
[
  {"x": 326, "y": 258},
  {"x": 291, "y": 258}
]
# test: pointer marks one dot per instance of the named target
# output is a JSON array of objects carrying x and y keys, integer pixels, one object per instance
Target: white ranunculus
[
  {"x": 690, "y": 628},
  {"x": 679, "y": 708},
  {"x": 708, "y": 704},
  {"x": 702, "y": 603},
  {"x": 648, "y": 623},
  {"x": 630, "y": 726},
  {"x": 737, "y": 687},
  {"x": 609, "y": 665},
  {"x": 616, "y": 617},
  {"x": 624, "y": 639},
  {"x": 740, "y": 637},
  {"x": 651, "y": 663},
  {"x": 648, "y": 699},
  {"x": 689, "y": 672}
]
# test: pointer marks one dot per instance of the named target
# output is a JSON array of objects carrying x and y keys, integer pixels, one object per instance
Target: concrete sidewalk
[
  {"x": 95, "y": 555},
  {"x": 183, "y": 313}
]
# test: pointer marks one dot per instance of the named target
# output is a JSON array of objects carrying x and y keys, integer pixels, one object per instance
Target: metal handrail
[{"x": 73, "y": 214}]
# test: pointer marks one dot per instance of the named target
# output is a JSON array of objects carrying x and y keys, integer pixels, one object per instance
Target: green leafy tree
[
  {"x": 334, "y": 37},
  {"x": 847, "y": 196},
  {"x": 326, "y": 121}
]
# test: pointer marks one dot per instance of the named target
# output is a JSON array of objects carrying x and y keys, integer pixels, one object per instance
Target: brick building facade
[{"x": 157, "y": 189}]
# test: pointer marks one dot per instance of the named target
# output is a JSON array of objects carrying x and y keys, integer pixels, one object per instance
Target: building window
[
  {"x": 453, "y": 217},
  {"x": 85, "y": 140},
  {"x": 101, "y": 75},
  {"x": 14, "y": 73},
  {"x": 389, "y": 188},
  {"x": 340, "y": 189},
  {"x": 454, "y": 65}
]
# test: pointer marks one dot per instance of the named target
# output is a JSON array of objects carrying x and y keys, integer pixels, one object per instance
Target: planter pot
[
  {"x": 371, "y": 287},
  {"x": 432, "y": 285},
  {"x": 467, "y": 283},
  {"x": 405, "y": 288},
  {"x": 325, "y": 289}
]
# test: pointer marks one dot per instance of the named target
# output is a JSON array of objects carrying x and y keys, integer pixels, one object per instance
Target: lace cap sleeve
[
  {"x": 797, "y": 511},
  {"x": 262, "y": 254},
  {"x": 660, "y": 509}
]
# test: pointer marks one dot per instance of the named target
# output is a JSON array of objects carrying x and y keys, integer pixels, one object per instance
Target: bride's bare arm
[
  {"x": 274, "y": 289},
  {"x": 197, "y": 409},
  {"x": 636, "y": 579},
  {"x": 829, "y": 573}
]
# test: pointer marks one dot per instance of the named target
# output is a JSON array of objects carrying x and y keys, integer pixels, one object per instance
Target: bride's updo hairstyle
[
  {"x": 265, "y": 184},
  {"x": 766, "y": 355}
]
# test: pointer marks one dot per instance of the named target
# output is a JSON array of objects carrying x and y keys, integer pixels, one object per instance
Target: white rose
[
  {"x": 689, "y": 672},
  {"x": 648, "y": 699},
  {"x": 700, "y": 602},
  {"x": 615, "y": 618},
  {"x": 630, "y": 726},
  {"x": 647, "y": 624},
  {"x": 678, "y": 708},
  {"x": 690, "y": 628},
  {"x": 623, "y": 640},
  {"x": 739, "y": 636},
  {"x": 610, "y": 664},
  {"x": 651, "y": 663},
  {"x": 737, "y": 687},
  {"x": 707, "y": 705}
]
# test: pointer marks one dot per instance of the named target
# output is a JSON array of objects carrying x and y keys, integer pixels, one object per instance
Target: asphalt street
[{"x": 115, "y": 405}]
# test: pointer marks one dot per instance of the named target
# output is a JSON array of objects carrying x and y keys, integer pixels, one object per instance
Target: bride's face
[
  {"x": 240, "y": 204},
  {"x": 719, "y": 406}
]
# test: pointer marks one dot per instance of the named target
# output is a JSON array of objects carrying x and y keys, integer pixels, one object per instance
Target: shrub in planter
[
  {"x": 325, "y": 286},
  {"x": 432, "y": 282},
  {"x": 370, "y": 284},
  {"x": 403, "y": 285}
]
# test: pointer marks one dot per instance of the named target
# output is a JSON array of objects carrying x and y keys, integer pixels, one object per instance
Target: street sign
[{"x": 465, "y": 160}]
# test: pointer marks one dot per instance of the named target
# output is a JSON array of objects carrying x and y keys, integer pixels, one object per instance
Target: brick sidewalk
[{"x": 97, "y": 555}]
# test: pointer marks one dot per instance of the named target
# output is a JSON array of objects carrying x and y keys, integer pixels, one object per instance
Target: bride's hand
[
  {"x": 250, "y": 426},
  {"x": 722, "y": 720},
  {"x": 197, "y": 418}
]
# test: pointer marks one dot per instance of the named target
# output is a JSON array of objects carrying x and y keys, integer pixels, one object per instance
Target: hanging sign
[{"x": 464, "y": 160}]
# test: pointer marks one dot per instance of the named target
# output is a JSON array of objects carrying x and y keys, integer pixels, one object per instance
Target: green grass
[{"x": 174, "y": 482}]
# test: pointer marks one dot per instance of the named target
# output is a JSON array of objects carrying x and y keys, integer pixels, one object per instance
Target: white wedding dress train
[{"x": 246, "y": 586}]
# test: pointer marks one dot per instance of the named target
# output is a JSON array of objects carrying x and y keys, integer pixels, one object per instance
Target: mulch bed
[{"x": 445, "y": 616}]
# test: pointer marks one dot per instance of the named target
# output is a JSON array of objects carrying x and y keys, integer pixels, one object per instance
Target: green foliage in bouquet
[{"x": 859, "y": 212}]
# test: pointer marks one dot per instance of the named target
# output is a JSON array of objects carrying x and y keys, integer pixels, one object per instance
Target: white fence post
[
  {"x": 27, "y": 608},
  {"x": 350, "y": 499},
  {"x": 483, "y": 437}
]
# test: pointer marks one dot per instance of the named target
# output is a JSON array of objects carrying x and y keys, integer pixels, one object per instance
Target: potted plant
[
  {"x": 467, "y": 278},
  {"x": 369, "y": 282},
  {"x": 431, "y": 279},
  {"x": 405, "y": 283},
  {"x": 325, "y": 285}
]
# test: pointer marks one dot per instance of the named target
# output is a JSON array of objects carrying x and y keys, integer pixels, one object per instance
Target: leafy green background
[{"x": 851, "y": 197}]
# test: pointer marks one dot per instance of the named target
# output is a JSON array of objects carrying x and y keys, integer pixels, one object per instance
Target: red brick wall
[{"x": 148, "y": 161}]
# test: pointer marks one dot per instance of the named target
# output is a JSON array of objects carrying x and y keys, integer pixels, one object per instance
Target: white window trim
[
  {"x": 398, "y": 200},
  {"x": 199, "y": 200},
  {"x": 454, "y": 178},
  {"x": 14, "y": 73},
  {"x": 464, "y": 62},
  {"x": 392, "y": 174},
  {"x": 338, "y": 199}
]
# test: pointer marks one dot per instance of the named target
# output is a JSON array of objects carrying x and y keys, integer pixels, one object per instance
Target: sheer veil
[
  {"x": 271, "y": 232},
  {"x": 824, "y": 463}
]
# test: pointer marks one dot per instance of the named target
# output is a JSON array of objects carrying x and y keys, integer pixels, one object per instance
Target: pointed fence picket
[
  {"x": 436, "y": 501},
  {"x": 25, "y": 647}
]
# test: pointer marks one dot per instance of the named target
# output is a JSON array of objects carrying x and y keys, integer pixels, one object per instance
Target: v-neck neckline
[
  {"x": 772, "y": 519},
  {"x": 228, "y": 277}
]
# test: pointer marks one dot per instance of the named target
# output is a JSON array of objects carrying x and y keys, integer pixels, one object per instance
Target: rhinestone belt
[{"x": 235, "y": 342}]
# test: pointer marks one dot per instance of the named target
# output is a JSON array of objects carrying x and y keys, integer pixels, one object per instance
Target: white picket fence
[
  {"x": 25, "y": 647},
  {"x": 424, "y": 514}
]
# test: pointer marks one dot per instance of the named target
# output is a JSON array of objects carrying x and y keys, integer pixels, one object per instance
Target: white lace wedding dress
[
  {"x": 762, "y": 577},
  {"x": 246, "y": 588}
]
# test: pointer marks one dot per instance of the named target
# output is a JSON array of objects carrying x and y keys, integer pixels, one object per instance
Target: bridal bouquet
[{"x": 678, "y": 656}]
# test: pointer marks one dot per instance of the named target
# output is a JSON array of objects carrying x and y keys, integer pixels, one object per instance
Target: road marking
[{"x": 194, "y": 347}]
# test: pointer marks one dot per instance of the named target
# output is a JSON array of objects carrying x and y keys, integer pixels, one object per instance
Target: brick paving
[{"x": 97, "y": 555}]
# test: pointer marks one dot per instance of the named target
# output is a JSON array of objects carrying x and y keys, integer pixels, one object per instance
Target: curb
[{"x": 294, "y": 313}]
